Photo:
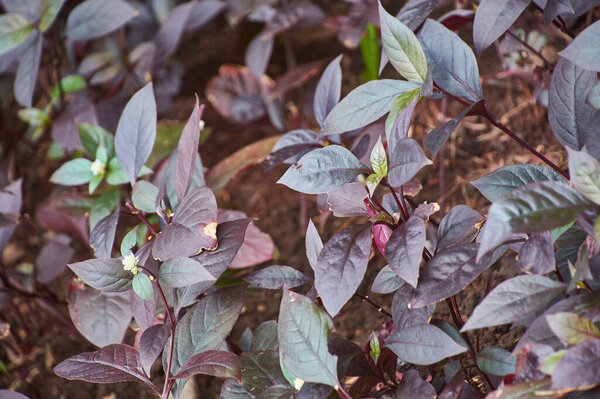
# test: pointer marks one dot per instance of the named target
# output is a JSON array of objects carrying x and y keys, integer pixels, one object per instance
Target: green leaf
[
  {"x": 535, "y": 207},
  {"x": 514, "y": 299},
  {"x": 572, "y": 328},
  {"x": 374, "y": 345},
  {"x": 129, "y": 241},
  {"x": 423, "y": 345},
  {"x": 73, "y": 173},
  {"x": 69, "y": 84},
  {"x": 379, "y": 159},
  {"x": 371, "y": 53},
  {"x": 33, "y": 116},
  {"x": 143, "y": 287},
  {"x": 116, "y": 176},
  {"x": 593, "y": 97},
  {"x": 14, "y": 29},
  {"x": 303, "y": 331},
  {"x": 496, "y": 361},
  {"x": 399, "y": 105},
  {"x": 402, "y": 47},
  {"x": 549, "y": 363},
  {"x": 92, "y": 136},
  {"x": 372, "y": 182},
  {"x": 94, "y": 183},
  {"x": 144, "y": 196},
  {"x": 585, "y": 174},
  {"x": 50, "y": 9}
]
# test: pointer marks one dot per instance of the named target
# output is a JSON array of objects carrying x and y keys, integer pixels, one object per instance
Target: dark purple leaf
[
  {"x": 405, "y": 248},
  {"x": 514, "y": 299},
  {"x": 202, "y": 13},
  {"x": 289, "y": 154},
  {"x": 568, "y": 112},
  {"x": 175, "y": 241},
  {"x": 554, "y": 8},
  {"x": 152, "y": 342},
  {"x": 435, "y": 140},
  {"x": 493, "y": 18},
  {"x": 27, "y": 8},
  {"x": 65, "y": 130},
  {"x": 187, "y": 152},
  {"x": 295, "y": 77},
  {"x": 213, "y": 362},
  {"x": 313, "y": 244},
  {"x": 275, "y": 277},
  {"x": 386, "y": 281},
  {"x": 352, "y": 361},
  {"x": 341, "y": 266},
  {"x": 364, "y": 105},
  {"x": 399, "y": 118},
  {"x": 53, "y": 258},
  {"x": 327, "y": 93},
  {"x": 27, "y": 72},
  {"x": 181, "y": 272},
  {"x": 414, "y": 12},
  {"x": 102, "y": 236},
  {"x": 258, "y": 54},
  {"x": 265, "y": 337},
  {"x": 95, "y": 18},
  {"x": 537, "y": 254},
  {"x": 10, "y": 202},
  {"x": 454, "y": 388},
  {"x": 412, "y": 386},
  {"x": 406, "y": 160},
  {"x": 101, "y": 319},
  {"x": 405, "y": 315},
  {"x": 348, "y": 200},
  {"x": 529, "y": 360},
  {"x": 233, "y": 389},
  {"x": 295, "y": 139},
  {"x": 261, "y": 370},
  {"x": 310, "y": 390},
  {"x": 303, "y": 330},
  {"x": 535, "y": 207},
  {"x": 456, "y": 19},
  {"x": 206, "y": 324},
  {"x": 583, "y": 51},
  {"x": 136, "y": 132},
  {"x": 323, "y": 170},
  {"x": 7, "y": 394},
  {"x": 143, "y": 311},
  {"x": 503, "y": 180},
  {"x": 579, "y": 367},
  {"x": 496, "y": 361},
  {"x": 103, "y": 274},
  {"x": 60, "y": 213},
  {"x": 231, "y": 237},
  {"x": 423, "y": 344},
  {"x": 113, "y": 363},
  {"x": 168, "y": 37},
  {"x": 277, "y": 392},
  {"x": 459, "y": 226},
  {"x": 453, "y": 64}
]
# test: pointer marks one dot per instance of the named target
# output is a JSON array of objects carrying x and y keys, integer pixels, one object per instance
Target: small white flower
[
  {"x": 201, "y": 124},
  {"x": 98, "y": 167},
  {"x": 298, "y": 383},
  {"x": 130, "y": 263}
]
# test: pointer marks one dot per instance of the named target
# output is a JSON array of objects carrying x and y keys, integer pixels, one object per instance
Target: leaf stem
[
  {"x": 547, "y": 63},
  {"x": 365, "y": 298},
  {"x": 142, "y": 218}
]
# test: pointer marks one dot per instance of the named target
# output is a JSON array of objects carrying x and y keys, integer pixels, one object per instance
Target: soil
[{"x": 474, "y": 150}]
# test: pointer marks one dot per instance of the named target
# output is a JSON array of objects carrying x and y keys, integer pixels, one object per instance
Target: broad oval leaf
[
  {"x": 348, "y": 200},
  {"x": 423, "y": 344},
  {"x": 275, "y": 277},
  {"x": 205, "y": 325},
  {"x": 136, "y": 132},
  {"x": 181, "y": 272},
  {"x": 212, "y": 362},
  {"x": 503, "y": 180},
  {"x": 323, "y": 170},
  {"x": 493, "y": 18},
  {"x": 144, "y": 196},
  {"x": 579, "y": 367},
  {"x": 496, "y": 361},
  {"x": 101, "y": 319},
  {"x": 452, "y": 62},
  {"x": 386, "y": 281},
  {"x": 404, "y": 315},
  {"x": 514, "y": 299},
  {"x": 406, "y": 160},
  {"x": 262, "y": 369},
  {"x": 537, "y": 253},
  {"x": 176, "y": 241},
  {"x": 584, "y": 51},
  {"x": 327, "y": 93},
  {"x": 53, "y": 258},
  {"x": 95, "y": 18},
  {"x": 568, "y": 113},
  {"x": 102, "y": 235},
  {"x": 365, "y": 104},
  {"x": 404, "y": 249},
  {"x": 233, "y": 389},
  {"x": 152, "y": 342},
  {"x": 265, "y": 337},
  {"x": 341, "y": 266},
  {"x": 113, "y": 363},
  {"x": 14, "y": 30},
  {"x": 535, "y": 207},
  {"x": 402, "y": 47},
  {"x": 303, "y": 331},
  {"x": 103, "y": 274},
  {"x": 585, "y": 174},
  {"x": 73, "y": 173},
  {"x": 571, "y": 328},
  {"x": 459, "y": 226}
]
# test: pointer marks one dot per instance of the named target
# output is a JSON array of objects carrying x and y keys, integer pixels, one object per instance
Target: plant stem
[
  {"x": 400, "y": 205},
  {"x": 365, "y": 298},
  {"x": 547, "y": 63},
  {"x": 136, "y": 212}
]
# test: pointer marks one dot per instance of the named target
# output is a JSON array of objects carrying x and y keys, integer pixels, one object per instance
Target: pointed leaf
[
  {"x": 27, "y": 72},
  {"x": 261, "y": 370},
  {"x": 364, "y": 105},
  {"x": 423, "y": 344},
  {"x": 49, "y": 12},
  {"x": 187, "y": 152},
  {"x": 341, "y": 266},
  {"x": 585, "y": 174},
  {"x": 583, "y": 51},
  {"x": 275, "y": 277},
  {"x": 435, "y": 140},
  {"x": 233, "y": 389},
  {"x": 579, "y": 367},
  {"x": 459, "y": 226},
  {"x": 313, "y": 244},
  {"x": 514, "y": 300},
  {"x": 493, "y": 18},
  {"x": 323, "y": 170},
  {"x": 386, "y": 281},
  {"x": 175, "y": 241},
  {"x": 152, "y": 342},
  {"x": 180, "y": 272},
  {"x": 402, "y": 47},
  {"x": 404, "y": 315},
  {"x": 136, "y": 132},
  {"x": 142, "y": 286},
  {"x": 571, "y": 328},
  {"x": 303, "y": 332},
  {"x": 537, "y": 254},
  {"x": 399, "y": 118},
  {"x": 348, "y": 200},
  {"x": 14, "y": 30},
  {"x": 73, "y": 173},
  {"x": 406, "y": 160},
  {"x": 213, "y": 362},
  {"x": 144, "y": 196},
  {"x": 95, "y": 18},
  {"x": 102, "y": 235},
  {"x": 103, "y": 274},
  {"x": 327, "y": 93},
  {"x": 496, "y": 361},
  {"x": 405, "y": 249}
]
